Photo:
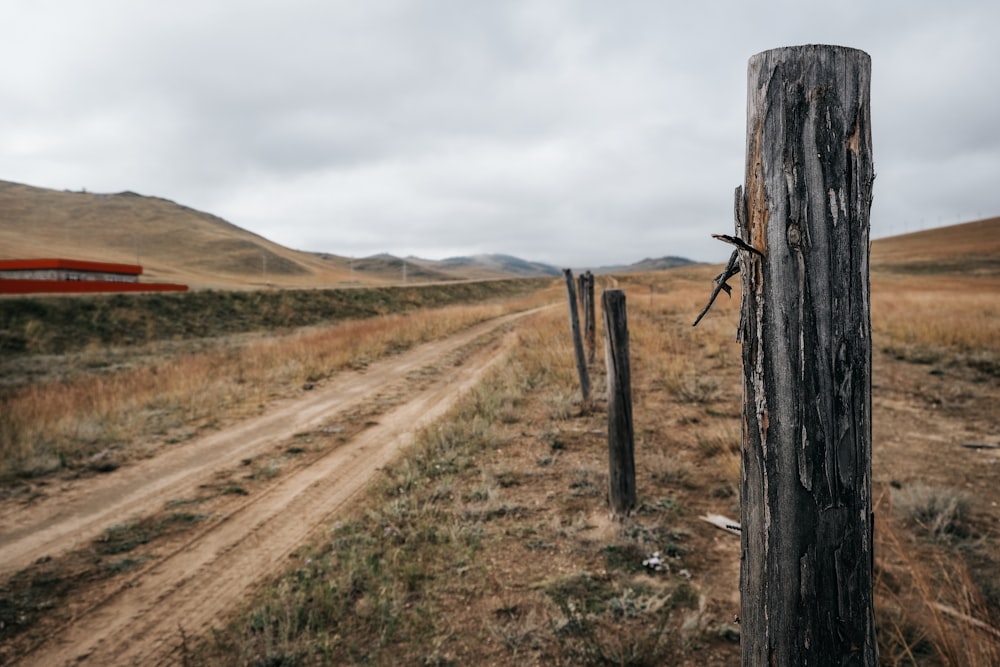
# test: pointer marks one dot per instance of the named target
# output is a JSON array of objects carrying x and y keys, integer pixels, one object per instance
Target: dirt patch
[{"x": 190, "y": 580}]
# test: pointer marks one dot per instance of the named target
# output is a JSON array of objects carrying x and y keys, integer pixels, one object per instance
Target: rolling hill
[
  {"x": 970, "y": 248},
  {"x": 175, "y": 243}
]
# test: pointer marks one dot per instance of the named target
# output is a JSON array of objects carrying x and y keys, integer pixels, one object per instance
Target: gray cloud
[{"x": 578, "y": 133}]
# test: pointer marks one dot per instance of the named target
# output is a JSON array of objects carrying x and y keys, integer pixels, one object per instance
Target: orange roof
[{"x": 70, "y": 264}]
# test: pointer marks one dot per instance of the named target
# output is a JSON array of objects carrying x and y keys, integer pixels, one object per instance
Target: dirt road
[{"x": 186, "y": 589}]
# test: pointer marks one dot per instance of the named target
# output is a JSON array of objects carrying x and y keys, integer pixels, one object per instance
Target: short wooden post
[
  {"x": 574, "y": 324},
  {"x": 806, "y": 568},
  {"x": 621, "y": 439}
]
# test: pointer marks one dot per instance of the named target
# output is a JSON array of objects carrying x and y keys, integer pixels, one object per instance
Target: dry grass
[
  {"x": 53, "y": 325},
  {"x": 939, "y": 512},
  {"x": 928, "y": 611},
  {"x": 100, "y": 420},
  {"x": 523, "y": 566},
  {"x": 489, "y": 541},
  {"x": 938, "y": 319}
]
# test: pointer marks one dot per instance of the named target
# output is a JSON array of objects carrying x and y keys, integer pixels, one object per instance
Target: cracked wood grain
[{"x": 806, "y": 569}]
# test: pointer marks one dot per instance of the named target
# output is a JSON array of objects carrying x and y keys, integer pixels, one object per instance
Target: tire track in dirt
[
  {"x": 79, "y": 512},
  {"x": 141, "y": 622}
]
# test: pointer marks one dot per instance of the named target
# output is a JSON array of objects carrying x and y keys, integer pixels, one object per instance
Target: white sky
[{"x": 579, "y": 132}]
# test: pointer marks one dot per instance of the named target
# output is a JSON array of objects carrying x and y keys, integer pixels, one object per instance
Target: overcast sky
[{"x": 573, "y": 132}]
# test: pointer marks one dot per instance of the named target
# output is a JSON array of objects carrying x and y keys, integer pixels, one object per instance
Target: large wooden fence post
[
  {"x": 621, "y": 437},
  {"x": 574, "y": 324},
  {"x": 806, "y": 569}
]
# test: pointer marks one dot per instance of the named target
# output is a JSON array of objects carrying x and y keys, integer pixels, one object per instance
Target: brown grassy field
[
  {"x": 489, "y": 541},
  {"x": 62, "y": 404}
]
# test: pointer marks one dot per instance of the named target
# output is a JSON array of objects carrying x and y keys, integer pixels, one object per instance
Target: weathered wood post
[
  {"x": 589, "y": 318},
  {"x": 574, "y": 324},
  {"x": 621, "y": 438},
  {"x": 585, "y": 314},
  {"x": 806, "y": 570}
]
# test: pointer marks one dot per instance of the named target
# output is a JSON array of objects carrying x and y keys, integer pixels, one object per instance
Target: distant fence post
[
  {"x": 581, "y": 293},
  {"x": 621, "y": 438},
  {"x": 574, "y": 324},
  {"x": 589, "y": 318},
  {"x": 806, "y": 510}
]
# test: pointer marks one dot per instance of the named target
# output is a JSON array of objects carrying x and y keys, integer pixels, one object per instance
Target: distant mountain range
[
  {"x": 175, "y": 243},
  {"x": 493, "y": 265},
  {"x": 503, "y": 263},
  {"x": 648, "y": 264},
  {"x": 520, "y": 267}
]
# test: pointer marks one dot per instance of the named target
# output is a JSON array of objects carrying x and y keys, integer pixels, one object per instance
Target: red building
[{"x": 33, "y": 276}]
